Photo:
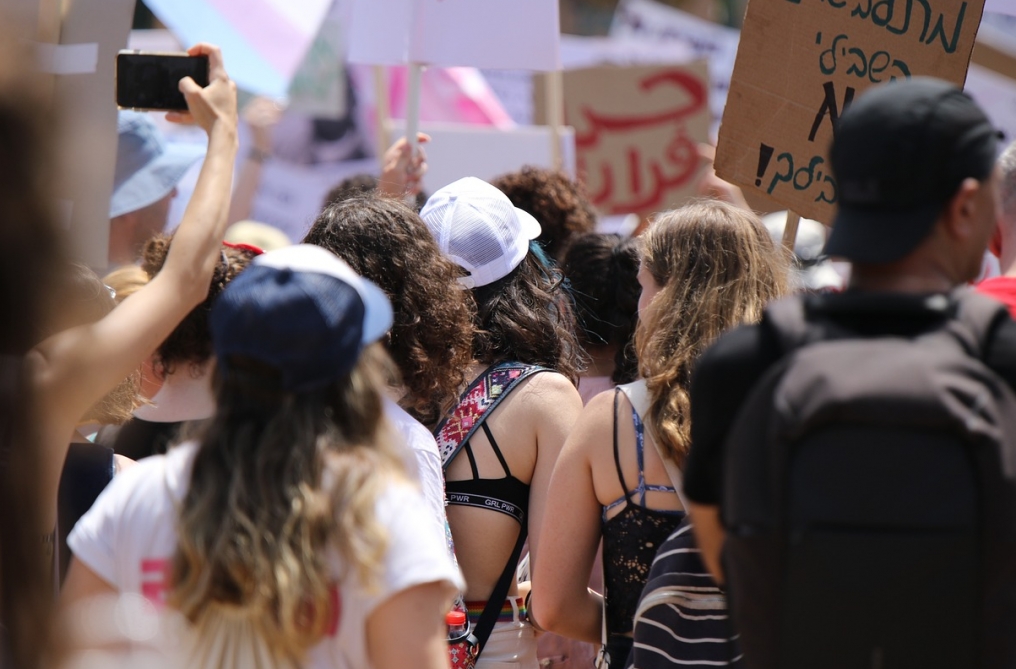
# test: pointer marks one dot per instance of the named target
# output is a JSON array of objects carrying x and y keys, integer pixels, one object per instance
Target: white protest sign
[
  {"x": 502, "y": 34},
  {"x": 653, "y": 22},
  {"x": 463, "y": 150},
  {"x": 291, "y": 196},
  {"x": 514, "y": 88},
  {"x": 1001, "y": 6}
]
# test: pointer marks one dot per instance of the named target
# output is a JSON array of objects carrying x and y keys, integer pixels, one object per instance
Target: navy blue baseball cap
[
  {"x": 899, "y": 154},
  {"x": 302, "y": 311}
]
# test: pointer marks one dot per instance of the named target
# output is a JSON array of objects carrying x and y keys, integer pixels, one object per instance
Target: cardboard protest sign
[
  {"x": 637, "y": 131},
  {"x": 511, "y": 34},
  {"x": 801, "y": 63}
]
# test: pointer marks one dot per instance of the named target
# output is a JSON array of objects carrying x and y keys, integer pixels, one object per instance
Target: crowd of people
[{"x": 471, "y": 410}]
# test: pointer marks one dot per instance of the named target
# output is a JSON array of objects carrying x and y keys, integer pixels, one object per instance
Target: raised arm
[{"x": 72, "y": 370}]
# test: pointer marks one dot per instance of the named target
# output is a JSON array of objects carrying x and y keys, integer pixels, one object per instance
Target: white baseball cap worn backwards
[{"x": 477, "y": 227}]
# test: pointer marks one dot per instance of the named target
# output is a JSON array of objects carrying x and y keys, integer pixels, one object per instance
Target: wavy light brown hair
[
  {"x": 386, "y": 242},
  {"x": 717, "y": 268},
  {"x": 191, "y": 340},
  {"x": 527, "y": 317},
  {"x": 126, "y": 281},
  {"x": 278, "y": 480},
  {"x": 555, "y": 200}
]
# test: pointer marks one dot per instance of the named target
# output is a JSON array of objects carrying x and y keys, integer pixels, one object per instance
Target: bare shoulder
[
  {"x": 597, "y": 417},
  {"x": 549, "y": 393}
]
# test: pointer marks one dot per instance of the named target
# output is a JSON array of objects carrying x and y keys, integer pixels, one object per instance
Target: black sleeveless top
[
  {"x": 87, "y": 471},
  {"x": 631, "y": 539},
  {"x": 507, "y": 495}
]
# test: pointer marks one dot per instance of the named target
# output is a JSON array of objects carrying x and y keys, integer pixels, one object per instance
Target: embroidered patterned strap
[{"x": 482, "y": 396}]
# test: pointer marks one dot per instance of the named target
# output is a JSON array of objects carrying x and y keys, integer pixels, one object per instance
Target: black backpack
[
  {"x": 869, "y": 497},
  {"x": 682, "y": 618}
]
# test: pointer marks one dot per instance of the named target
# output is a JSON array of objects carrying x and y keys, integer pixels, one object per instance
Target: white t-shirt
[
  {"x": 128, "y": 538},
  {"x": 426, "y": 463}
]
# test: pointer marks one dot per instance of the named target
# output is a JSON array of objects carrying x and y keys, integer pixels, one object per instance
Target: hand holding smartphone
[{"x": 151, "y": 81}]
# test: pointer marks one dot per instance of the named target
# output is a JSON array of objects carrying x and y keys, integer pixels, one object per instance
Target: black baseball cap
[{"x": 899, "y": 154}]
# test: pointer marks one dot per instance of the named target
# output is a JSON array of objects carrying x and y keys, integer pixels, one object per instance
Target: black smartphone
[{"x": 152, "y": 80}]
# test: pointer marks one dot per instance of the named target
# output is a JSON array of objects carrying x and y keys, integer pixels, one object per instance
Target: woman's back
[
  {"x": 703, "y": 268},
  {"x": 130, "y": 538},
  {"x": 640, "y": 505},
  {"x": 496, "y": 486},
  {"x": 525, "y": 428},
  {"x": 285, "y": 533}
]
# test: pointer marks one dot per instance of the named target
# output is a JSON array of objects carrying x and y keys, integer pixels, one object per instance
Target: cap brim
[
  {"x": 879, "y": 237},
  {"x": 377, "y": 319},
  {"x": 155, "y": 180},
  {"x": 531, "y": 228}
]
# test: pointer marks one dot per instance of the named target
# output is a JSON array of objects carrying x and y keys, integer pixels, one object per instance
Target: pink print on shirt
[
  {"x": 155, "y": 580},
  {"x": 155, "y": 575}
]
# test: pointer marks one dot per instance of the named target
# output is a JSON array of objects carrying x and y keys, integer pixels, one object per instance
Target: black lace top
[{"x": 631, "y": 539}]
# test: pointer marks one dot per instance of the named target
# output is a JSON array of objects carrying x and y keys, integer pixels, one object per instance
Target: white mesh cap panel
[
  {"x": 476, "y": 226},
  {"x": 472, "y": 237}
]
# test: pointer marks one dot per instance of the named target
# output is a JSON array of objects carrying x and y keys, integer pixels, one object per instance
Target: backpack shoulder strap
[
  {"x": 977, "y": 315},
  {"x": 787, "y": 320},
  {"x": 479, "y": 399}
]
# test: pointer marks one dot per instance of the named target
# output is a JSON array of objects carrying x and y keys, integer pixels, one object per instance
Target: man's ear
[{"x": 961, "y": 210}]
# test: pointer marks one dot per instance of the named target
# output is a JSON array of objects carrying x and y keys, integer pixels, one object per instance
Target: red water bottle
[{"x": 462, "y": 648}]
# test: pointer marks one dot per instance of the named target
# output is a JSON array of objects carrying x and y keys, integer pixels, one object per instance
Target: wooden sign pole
[
  {"x": 413, "y": 106},
  {"x": 790, "y": 230},
  {"x": 382, "y": 110},
  {"x": 413, "y": 115},
  {"x": 554, "y": 82}
]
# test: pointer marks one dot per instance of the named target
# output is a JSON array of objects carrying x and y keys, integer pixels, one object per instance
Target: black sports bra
[{"x": 506, "y": 495}]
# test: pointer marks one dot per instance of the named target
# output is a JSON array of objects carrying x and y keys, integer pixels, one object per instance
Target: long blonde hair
[
  {"x": 279, "y": 479},
  {"x": 717, "y": 268}
]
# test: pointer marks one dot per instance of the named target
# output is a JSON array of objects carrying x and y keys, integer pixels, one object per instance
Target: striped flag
[{"x": 263, "y": 41}]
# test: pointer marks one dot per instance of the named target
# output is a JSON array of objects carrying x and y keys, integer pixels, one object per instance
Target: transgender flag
[{"x": 263, "y": 41}]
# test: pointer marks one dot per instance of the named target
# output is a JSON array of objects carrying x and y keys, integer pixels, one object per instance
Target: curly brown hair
[
  {"x": 191, "y": 341},
  {"x": 603, "y": 273},
  {"x": 557, "y": 202},
  {"x": 385, "y": 241},
  {"x": 527, "y": 317}
]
